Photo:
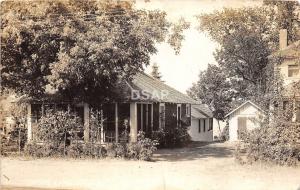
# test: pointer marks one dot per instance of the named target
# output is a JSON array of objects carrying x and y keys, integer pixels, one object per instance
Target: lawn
[{"x": 200, "y": 166}]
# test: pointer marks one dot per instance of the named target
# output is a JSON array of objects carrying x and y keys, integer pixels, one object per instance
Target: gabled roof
[
  {"x": 201, "y": 111},
  {"x": 155, "y": 88},
  {"x": 242, "y": 105},
  {"x": 291, "y": 51},
  {"x": 141, "y": 82},
  {"x": 291, "y": 90}
]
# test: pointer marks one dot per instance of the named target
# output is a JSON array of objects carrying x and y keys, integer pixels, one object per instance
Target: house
[
  {"x": 201, "y": 128},
  {"x": 149, "y": 105},
  {"x": 244, "y": 118},
  {"x": 289, "y": 69}
]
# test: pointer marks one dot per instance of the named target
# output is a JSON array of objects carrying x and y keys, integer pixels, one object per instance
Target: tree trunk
[
  {"x": 65, "y": 139},
  {"x": 219, "y": 127}
]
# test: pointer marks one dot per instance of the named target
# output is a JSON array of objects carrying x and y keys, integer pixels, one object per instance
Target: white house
[
  {"x": 201, "y": 128},
  {"x": 246, "y": 117}
]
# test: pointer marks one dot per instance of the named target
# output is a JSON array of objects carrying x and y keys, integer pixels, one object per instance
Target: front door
[{"x": 242, "y": 127}]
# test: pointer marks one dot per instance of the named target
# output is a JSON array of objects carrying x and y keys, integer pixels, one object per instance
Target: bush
[
  {"x": 38, "y": 150},
  {"x": 13, "y": 141},
  {"x": 143, "y": 149},
  {"x": 57, "y": 130},
  {"x": 116, "y": 150},
  {"x": 275, "y": 142},
  {"x": 172, "y": 137}
]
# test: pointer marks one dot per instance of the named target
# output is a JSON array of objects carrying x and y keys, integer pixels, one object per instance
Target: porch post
[
  {"x": 86, "y": 118},
  {"x": 151, "y": 117},
  {"x": 117, "y": 122},
  {"x": 142, "y": 118},
  {"x": 147, "y": 119},
  {"x": 133, "y": 122},
  {"x": 29, "y": 126}
]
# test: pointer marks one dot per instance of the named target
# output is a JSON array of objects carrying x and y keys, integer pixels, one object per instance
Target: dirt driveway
[{"x": 198, "y": 167}]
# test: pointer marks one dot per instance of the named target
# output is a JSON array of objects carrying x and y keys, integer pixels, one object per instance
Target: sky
[{"x": 181, "y": 71}]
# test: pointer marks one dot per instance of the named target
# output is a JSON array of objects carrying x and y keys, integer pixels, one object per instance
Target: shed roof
[
  {"x": 242, "y": 105},
  {"x": 201, "y": 111}
]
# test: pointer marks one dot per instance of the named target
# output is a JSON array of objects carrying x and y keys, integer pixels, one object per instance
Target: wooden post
[
  {"x": 147, "y": 118},
  {"x": 101, "y": 128},
  {"x": 29, "y": 124},
  {"x": 142, "y": 118},
  {"x": 19, "y": 139},
  {"x": 133, "y": 122},
  {"x": 117, "y": 122},
  {"x": 152, "y": 117},
  {"x": 86, "y": 118}
]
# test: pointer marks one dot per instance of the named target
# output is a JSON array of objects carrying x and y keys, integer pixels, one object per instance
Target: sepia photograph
[{"x": 150, "y": 95}]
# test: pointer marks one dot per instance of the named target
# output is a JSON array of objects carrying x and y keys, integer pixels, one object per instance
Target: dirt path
[{"x": 209, "y": 167}]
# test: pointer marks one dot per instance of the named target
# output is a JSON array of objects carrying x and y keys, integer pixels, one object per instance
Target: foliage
[
  {"x": 116, "y": 150},
  {"x": 275, "y": 144},
  {"x": 96, "y": 125},
  {"x": 79, "y": 49},
  {"x": 213, "y": 89},
  {"x": 277, "y": 141},
  {"x": 57, "y": 129},
  {"x": 86, "y": 150},
  {"x": 172, "y": 137},
  {"x": 246, "y": 37},
  {"x": 142, "y": 149},
  {"x": 14, "y": 141},
  {"x": 288, "y": 16}
]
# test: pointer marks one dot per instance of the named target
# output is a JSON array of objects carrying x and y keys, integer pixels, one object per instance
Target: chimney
[{"x": 283, "y": 41}]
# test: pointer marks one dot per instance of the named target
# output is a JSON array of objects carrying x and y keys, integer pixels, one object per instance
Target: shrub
[
  {"x": 57, "y": 129},
  {"x": 13, "y": 141},
  {"x": 143, "y": 149},
  {"x": 172, "y": 137},
  {"x": 38, "y": 150},
  {"x": 116, "y": 150},
  {"x": 276, "y": 142}
]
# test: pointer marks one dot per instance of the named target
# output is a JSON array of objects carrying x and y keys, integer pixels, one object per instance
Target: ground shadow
[{"x": 195, "y": 151}]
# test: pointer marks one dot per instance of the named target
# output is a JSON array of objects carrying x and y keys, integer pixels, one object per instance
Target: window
[
  {"x": 210, "y": 124},
  {"x": 293, "y": 70},
  {"x": 202, "y": 125},
  {"x": 162, "y": 115},
  {"x": 188, "y": 110}
]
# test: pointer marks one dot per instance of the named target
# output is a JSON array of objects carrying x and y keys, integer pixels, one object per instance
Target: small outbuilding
[
  {"x": 244, "y": 118},
  {"x": 201, "y": 128}
]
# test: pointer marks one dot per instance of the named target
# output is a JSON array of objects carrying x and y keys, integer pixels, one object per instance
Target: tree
[
  {"x": 155, "y": 71},
  {"x": 246, "y": 36},
  {"x": 288, "y": 16},
  {"x": 77, "y": 49},
  {"x": 214, "y": 89}
]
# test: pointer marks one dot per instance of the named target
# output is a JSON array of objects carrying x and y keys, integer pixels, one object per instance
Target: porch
[{"x": 119, "y": 119}]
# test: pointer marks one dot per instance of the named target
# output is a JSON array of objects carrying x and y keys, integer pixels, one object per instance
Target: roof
[
  {"x": 291, "y": 51},
  {"x": 242, "y": 105},
  {"x": 141, "y": 85},
  {"x": 158, "y": 90},
  {"x": 291, "y": 90},
  {"x": 201, "y": 111}
]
